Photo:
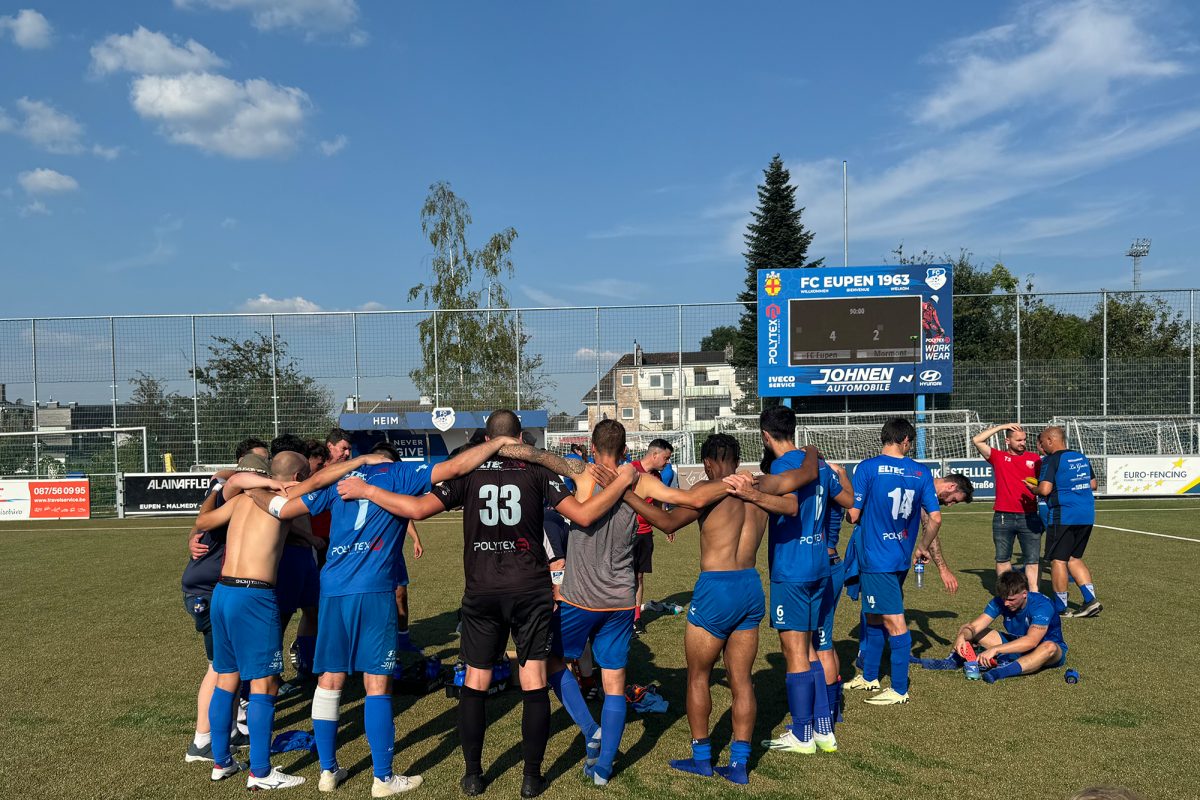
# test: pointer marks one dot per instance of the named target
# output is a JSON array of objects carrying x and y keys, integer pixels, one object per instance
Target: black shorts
[
  {"x": 198, "y": 607},
  {"x": 643, "y": 552},
  {"x": 1065, "y": 542},
  {"x": 487, "y": 621}
]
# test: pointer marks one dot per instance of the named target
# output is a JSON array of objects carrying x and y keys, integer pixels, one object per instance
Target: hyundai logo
[{"x": 931, "y": 376}]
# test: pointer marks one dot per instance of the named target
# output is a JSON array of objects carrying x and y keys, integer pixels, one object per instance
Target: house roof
[{"x": 696, "y": 358}]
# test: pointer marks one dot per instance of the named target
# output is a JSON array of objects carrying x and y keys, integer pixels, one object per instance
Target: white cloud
[
  {"x": 161, "y": 252},
  {"x": 588, "y": 354},
  {"x": 335, "y": 145},
  {"x": 372, "y": 305},
  {"x": 147, "y": 52},
  {"x": 251, "y": 119},
  {"x": 107, "y": 153},
  {"x": 229, "y": 222},
  {"x": 36, "y": 207},
  {"x": 313, "y": 17},
  {"x": 1076, "y": 55},
  {"x": 542, "y": 297},
  {"x": 46, "y": 181},
  {"x": 611, "y": 287},
  {"x": 265, "y": 304},
  {"x": 29, "y": 29},
  {"x": 46, "y": 127}
]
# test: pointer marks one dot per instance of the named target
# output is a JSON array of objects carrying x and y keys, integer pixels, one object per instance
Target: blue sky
[{"x": 222, "y": 155}]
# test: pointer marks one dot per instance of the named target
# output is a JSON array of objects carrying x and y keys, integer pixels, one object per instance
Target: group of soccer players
[{"x": 504, "y": 488}]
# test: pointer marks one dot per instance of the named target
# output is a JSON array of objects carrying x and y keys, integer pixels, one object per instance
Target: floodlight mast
[{"x": 1137, "y": 251}]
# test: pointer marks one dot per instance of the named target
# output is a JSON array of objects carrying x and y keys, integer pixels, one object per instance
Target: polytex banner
[
  {"x": 164, "y": 493},
  {"x": 1153, "y": 475},
  {"x": 45, "y": 499}
]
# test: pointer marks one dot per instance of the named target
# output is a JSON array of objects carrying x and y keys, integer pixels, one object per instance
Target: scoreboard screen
[{"x": 854, "y": 330}]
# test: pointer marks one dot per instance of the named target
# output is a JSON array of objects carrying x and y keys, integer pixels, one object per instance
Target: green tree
[
  {"x": 470, "y": 354},
  {"x": 168, "y": 417},
  {"x": 719, "y": 338},
  {"x": 775, "y": 239}
]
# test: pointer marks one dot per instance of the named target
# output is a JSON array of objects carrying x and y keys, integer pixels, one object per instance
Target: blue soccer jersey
[
  {"x": 364, "y": 539},
  {"x": 891, "y": 492},
  {"x": 796, "y": 545},
  {"x": 1072, "y": 501},
  {"x": 1038, "y": 610}
]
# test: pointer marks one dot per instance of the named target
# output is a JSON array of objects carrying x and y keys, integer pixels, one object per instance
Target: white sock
[
  {"x": 202, "y": 739},
  {"x": 241, "y": 718}
]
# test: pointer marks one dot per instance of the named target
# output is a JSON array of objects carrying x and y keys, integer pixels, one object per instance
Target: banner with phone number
[{"x": 45, "y": 499}]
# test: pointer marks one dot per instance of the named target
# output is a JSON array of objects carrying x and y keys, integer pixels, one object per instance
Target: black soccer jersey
[{"x": 502, "y": 504}]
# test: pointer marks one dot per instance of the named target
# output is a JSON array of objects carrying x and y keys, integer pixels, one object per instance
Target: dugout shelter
[{"x": 416, "y": 437}]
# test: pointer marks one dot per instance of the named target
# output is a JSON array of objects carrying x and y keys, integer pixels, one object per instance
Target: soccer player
[
  {"x": 1015, "y": 508},
  {"x": 338, "y": 444},
  {"x": 508, "y": 588},
  {"x": 1032, "y": 637},
  {"x": 727, "y": 602},
  {"x": 800, "y": 577},
  {"x": 658, "y": 456},
  {"x": 247, "y": 636},
  {"x": 890, "y": 492},
  {"x": 200, "y": 576},
  {"x": 1067, "y": 483}
]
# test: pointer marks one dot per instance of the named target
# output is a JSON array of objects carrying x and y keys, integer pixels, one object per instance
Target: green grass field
[{"x": 99, "y": 666}]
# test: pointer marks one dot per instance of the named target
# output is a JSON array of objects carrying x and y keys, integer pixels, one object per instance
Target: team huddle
[{"x": 254, "y": 565}]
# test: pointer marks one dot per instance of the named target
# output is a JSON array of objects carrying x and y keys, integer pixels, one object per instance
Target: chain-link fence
[{"x": 199, "y": 384}]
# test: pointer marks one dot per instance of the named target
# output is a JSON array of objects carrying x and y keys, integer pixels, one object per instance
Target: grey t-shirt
[{"x": 599, "y": 565}]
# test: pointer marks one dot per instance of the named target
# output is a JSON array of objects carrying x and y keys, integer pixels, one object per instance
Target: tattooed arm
[
  {"x": 939, "y": 560},
  {"x": 555, "y": 463}
]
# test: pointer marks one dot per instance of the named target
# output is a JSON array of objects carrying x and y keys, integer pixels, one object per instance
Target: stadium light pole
[{"x": 1137, "y": 251}]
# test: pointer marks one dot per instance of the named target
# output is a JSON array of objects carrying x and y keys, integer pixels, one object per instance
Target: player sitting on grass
[{"x": 1032, "y": 637}]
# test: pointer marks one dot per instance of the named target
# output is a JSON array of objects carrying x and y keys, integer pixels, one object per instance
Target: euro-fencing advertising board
[
  {"x": 163, "y": 493},
  {"x": 1153, "y": 475},
  {"x": 855, "y": 330},
  {"x": 45, "y": 499}
]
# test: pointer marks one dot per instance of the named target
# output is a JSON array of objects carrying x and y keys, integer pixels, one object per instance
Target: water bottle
[
  {"x": 971, "y": 670},
  {"x": 675, "y": 608},
  {"x": 460, "y": 673},
  {"x": 919, "y": 569},
  {"x": 1071, "y": 676}
]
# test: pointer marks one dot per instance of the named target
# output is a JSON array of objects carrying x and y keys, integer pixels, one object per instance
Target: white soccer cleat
[
  {"x": 331, "y": 779},
  {"x": 788, "y": 743},
  {"x": 826, "y": 742},
  {"x": 397, "y": 784},
  {"x": 860, "y": 682},
  {"x": 888, "y": 697},
  {"x": 221, "y": 773},
  {"x": 273, "y": 780}
]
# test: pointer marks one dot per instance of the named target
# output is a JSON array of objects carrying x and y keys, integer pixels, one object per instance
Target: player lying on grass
[
  {"x": 1031, "y": 640},
  {"x": 727, "y": 602},
  {"x": 247, "y": 637}
]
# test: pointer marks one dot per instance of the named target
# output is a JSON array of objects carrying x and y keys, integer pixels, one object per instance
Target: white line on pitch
[
  {"x": 1148, "y": 533},
  {"x": 96, "y": 529}
]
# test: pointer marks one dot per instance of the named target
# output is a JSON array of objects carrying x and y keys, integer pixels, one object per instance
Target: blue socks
[
  {"x": 612, "y": 727},
  {"x": 566, "y": 688},
  {"x": 220, "y": 721},
  {"x": 834, "y": 690},
  {"x": 873, "y": 651},
  {"x": 260, "y": 718},
  {"x": 1089, "y": 592},
  {"x": 821, "y": 708},
  {"x": 1009, "y": 670},
  {"x": 381, "y": 733},
  {"x": 306, "y": 650},
  {"x": 1060, "y": 601},
  {"x": 701, "y": 761},
  {"x": 800, "y": 703},
  {"x": 901, "y": 649},
  {"x": 739, "y": 754}
]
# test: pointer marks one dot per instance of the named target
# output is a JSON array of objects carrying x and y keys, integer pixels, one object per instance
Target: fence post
[
  {"x": 598, "y": 366},
  {"x": 195, "y": 397},
  {"x": 437, "y": 381},
  {"x": 274, "y": 380},
  {"x": 1191, "y": 352},
  {"x": 518, "y": 326},
  {"x": 1104, "y": 356},
  {"x": 354, "y": 333},
  {"x": 37, "y": 455},
  {"x": 1018, "y": 301},
  {"x": 112, "y": 342},
  {"x": 682, "y": 410}
]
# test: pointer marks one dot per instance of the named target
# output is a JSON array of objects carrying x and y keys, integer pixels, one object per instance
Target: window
[
  {"x": 627, "y": 379},
  {"x": 655, "y": 381},
  {"x": 656, "y": 415},
  {"x": 626, "y": 413}
]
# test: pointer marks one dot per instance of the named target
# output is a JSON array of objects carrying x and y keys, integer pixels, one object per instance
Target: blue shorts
[
  {"x": 247, "y": 638},
  {"x": 1062, "y": 647},
  {"x": 727, "y": 601},
  {"x": 882, "y": 592},
  {"x": 609, "y": 631},
  {"x": 357, "y": 634},
  {"x": 797, "y": 606},
  {"x": 299, "y": 582},
  {"x": 837, "y": 580},
  {"x": 399, "y": 571}
]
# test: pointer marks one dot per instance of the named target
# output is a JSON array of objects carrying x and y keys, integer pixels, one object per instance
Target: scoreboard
[{"x": 855, "y": 330}]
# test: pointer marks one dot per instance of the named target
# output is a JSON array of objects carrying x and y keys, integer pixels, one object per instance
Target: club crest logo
[
  {"x": 773, "y": 284},
  {"x": 935, "y": 277},
  {"x": 443, "y": 419}
]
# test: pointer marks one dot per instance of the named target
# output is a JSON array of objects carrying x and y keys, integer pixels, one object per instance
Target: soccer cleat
[
  {"x": 789, "y": 743},
  {"x": 533, "y": 785},
  {"x": 639, "y": 628},
  {"x": 691, "y": 765},
  {"x": 734, "y": 773},
  {"x": 888, "y": 697},
  {"x": 331, "y": 778},
  {"x": 221, "y": 773},
  {"x": 396, "y": 784},
  {"x": 1092, "y": 609},
  {"x": 826, "y": 742},
  {"x": 195, "y": 754},
  {"x": 294, "y": 686},
  {"x": 273, "y": 780},
  {"x": 593, "y": 749},
  {"x": 472, "y": 785},
  {"x": 860, "y": 682},
  {"x": 239, "y": 740}
]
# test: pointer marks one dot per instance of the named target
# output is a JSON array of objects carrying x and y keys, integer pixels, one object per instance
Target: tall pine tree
[{"x": 776, "y": 239}]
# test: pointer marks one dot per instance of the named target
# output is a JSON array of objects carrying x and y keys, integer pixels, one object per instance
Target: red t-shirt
[
  {"x": 1013, "y": 495},
  {"x": 320, "y": 525},
  {"x": 643, "y": 527}
]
